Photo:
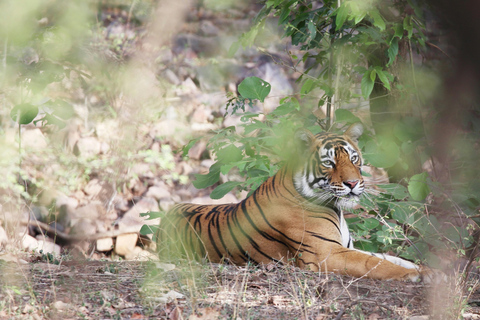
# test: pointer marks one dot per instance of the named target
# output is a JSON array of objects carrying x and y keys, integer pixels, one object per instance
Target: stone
[
  {"x": 167, "y": 204},
  {"x": 132, "y": 220},
  {"x": 84, "y": 227},
  {"x": 62, "y": 199},
  {"x": 90, "y": 211},
  {"x": 99, "y": 190},
  {"x": 33, "y": 139},
  {"x": 3, "y": 237},
  {"x": 197, "y": 150},
  {"x": 138, "y": 254},
  {"x": 48, "y": 247},
  {"x": 158, "y": 193},
  {"x": 29, "y": 243},
  {"x": 142, "y": 170},
  {"x": 168, "y": 128},
  {"x": 171, "y": 77},
  {"x": 89, "y": 146},
  {"x": 104, "y": 244},
  {"x": 125, "y": 243}
]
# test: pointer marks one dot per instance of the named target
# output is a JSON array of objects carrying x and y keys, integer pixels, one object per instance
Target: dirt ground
[{"x": 70, "y": 289}]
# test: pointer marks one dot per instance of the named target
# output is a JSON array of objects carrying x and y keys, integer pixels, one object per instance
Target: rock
[
  {"x": 137, "y": 187},
  {"x": 197, "y": 150},
  {"x": 92, "y": 211},
  {"x": 207, "y": 28},
  {"x": 202, "y": 114},
  {"x": 168, "y": 128},
  {"x": 206, "y": 46},
  {"x": 33, "y": 139},
  {"x": 142, "y": 170},
  {"x": 3, "y": 237},
  {"x": 88, "y": 146},
  {"x": 84, "y": 227},
  {"x": 165, "y": 55},
  {"x": 132, "y": 219},
  {"x": 61, "y": 306},
  {"x": 99, "y": 190},
  {"x": 104, "y": 245},
  {"x": 62, "y": 200},
  {"x": 171, "y": 77},
  {"x": 29, "y": 243},
  {"x": 188, "y": 87},
  {"x": 138, "y": 254},
  {"x": 125, "y": 244},
  {"x": 158, "y": 193},
  {"x": 167, "y": 204},
  {"x": 48, "y": 247}
]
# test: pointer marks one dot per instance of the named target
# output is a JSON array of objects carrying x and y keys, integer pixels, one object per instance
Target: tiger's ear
[
  {"x": 304, "y": 139},
  {"x": 354, "y": 131}
]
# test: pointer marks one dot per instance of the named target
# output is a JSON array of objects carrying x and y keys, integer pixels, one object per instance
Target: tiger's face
[{"x": 332, "y": 171}]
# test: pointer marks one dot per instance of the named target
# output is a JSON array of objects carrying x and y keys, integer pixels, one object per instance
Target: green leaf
[
  {"x": 152, "y": 214},
  {"x": 371, "y": 223},
  {"x": 312, "y": 29},
  {"x": 398, "y": 28},
  {"x": 148, "y": 229},
  {"x": 407, "y": 25},
  {"x": 24, "y": 113},
  {"x": 344, "y": 115},
  {"x": 392, "y": 51},
  {"x": 254, "y": 88},
  {"x": 229, "y": 154},
  {"x": 383, "y": 155},
  {"x": 233, "y": 49},
  {"x": 418, "y": 187},
  {"x": 285, "y": 108},
  {"x": 307, "y": 86},
  {"x": 206, "y": 180},
  {"x": 342, "y": 13},
  {"x": 383, "y": 77},
  {"x": 223, "y": 189},
  {"x": 367, "y": 84},
  {"x": 189, "y": 145},
  {"x": 403, "y": 212},
  {"x": 396, "y": 190},
  {"x": 377, "y": 19},
  {"x": 63, "y": 109}
]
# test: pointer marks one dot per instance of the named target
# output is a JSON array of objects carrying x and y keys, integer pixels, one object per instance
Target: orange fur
[{"x": 288, "y": 218}]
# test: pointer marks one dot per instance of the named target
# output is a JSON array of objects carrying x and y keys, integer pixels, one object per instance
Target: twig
[{"x": 340, "y": 314}]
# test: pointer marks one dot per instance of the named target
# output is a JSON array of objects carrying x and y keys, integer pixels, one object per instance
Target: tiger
[{"x": 295, "y": 216}]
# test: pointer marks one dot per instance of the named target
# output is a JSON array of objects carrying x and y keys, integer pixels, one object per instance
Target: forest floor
[{"x": 72, "y": 289}]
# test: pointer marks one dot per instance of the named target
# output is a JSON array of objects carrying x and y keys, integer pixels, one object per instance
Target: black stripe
[{"x": 323, "y": 238}]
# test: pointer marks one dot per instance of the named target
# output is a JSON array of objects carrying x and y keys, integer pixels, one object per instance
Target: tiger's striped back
[{"x": 296, "y": 215}]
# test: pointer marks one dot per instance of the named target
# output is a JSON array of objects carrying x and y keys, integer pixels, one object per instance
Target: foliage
[
  {"x": 257, "y": 152},
  {"x": 361, "y": 45}
]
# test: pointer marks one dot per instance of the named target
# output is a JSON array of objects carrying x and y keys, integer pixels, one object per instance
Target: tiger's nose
[{"x": 351, "y": 184}]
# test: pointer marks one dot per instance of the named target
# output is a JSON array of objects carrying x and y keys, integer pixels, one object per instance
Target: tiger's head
[{"x": 331, "y": 173}]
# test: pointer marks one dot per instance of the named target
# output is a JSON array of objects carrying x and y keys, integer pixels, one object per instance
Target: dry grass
[{"x": 125, "y": 290}]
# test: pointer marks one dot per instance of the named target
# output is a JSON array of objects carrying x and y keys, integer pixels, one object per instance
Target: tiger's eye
[
  {"x": 327, "y": 163},
  {"x": 354, "y": 158}
]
